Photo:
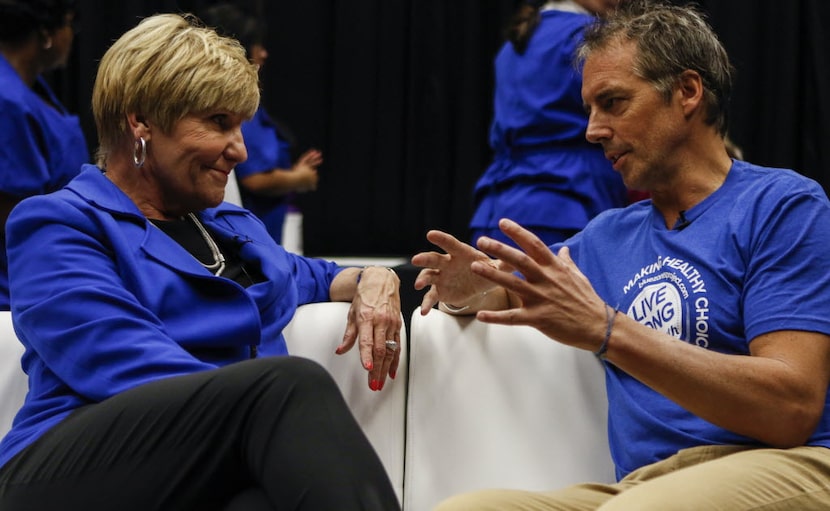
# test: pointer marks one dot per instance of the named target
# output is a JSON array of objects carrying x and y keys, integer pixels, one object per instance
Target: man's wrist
[{"x": 454, "y": 309}]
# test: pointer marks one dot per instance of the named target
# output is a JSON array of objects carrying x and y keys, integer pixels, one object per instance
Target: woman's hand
[
  {"x": 375, "y": 323},
  {"x": 448, "y": 275}
]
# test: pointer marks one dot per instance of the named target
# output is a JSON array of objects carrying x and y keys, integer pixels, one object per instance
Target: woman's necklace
[{"x": 218, "y": 265}]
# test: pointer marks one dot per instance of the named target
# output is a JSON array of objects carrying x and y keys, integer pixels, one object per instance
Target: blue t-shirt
[
  {"x": 753, "y": 258},
  {"x": 267, "y": 150},
  {"x": 544, "y": 173},
  {"x": 42, "y": 147}
]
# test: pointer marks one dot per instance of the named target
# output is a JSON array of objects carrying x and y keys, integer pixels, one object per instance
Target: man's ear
[
  {"x": 690, "y": 87},
  {"x": 139, "y": 126}
]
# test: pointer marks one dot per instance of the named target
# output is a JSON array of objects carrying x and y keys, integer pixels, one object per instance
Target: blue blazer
[{"x": 104, "y": 301}]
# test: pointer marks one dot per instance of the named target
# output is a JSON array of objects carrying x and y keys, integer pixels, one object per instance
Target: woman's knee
[
  {"x": 272, "y": 378},
  {"x": 299, "y": 373},
  {"x": 291, "y": 367}
]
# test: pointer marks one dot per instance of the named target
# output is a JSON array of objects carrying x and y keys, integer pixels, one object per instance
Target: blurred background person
[
  {"x": 544, "y": 174},
  {"x": 268, "y": 179},
  {"x": 42, "y": 145}
]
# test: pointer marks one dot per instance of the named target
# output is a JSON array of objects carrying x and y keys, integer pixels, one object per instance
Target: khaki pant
[{"x": 707, "y": 478}]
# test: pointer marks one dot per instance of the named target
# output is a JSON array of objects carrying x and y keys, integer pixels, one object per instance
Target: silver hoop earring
[{"x": 139, "y": 152}]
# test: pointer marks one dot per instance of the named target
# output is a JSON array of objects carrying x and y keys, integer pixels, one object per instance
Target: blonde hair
[{"x": 166, "y": 67}]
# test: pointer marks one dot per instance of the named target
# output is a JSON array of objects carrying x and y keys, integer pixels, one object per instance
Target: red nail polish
[
  {"x": 392, "y": 374},
  {"x": 380, "y": 387},
  {"x": 369, "y": 365},
  {"x": 374, "y": 384}
]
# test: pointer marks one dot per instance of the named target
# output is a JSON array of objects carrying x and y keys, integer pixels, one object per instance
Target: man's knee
[
  {"x": 493, "y": 500},
  {"x": 656, "y": 496},
  {"x": 465, "y": 502}
]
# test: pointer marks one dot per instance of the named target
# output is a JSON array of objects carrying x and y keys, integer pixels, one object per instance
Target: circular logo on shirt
[
  {"x": 660, "y": 307},
  {"x": 671, "y": 297}
]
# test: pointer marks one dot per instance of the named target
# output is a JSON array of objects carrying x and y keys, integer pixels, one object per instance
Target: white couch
[
  {"x": 314, "y": 332},
  {"x": 13, "y": 382},
  {"x": 473, "y": 405},
  {"x": 493, "y": 406}
]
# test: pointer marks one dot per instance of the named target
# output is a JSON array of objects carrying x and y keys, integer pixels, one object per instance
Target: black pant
[{"x": 275, "y": 431}]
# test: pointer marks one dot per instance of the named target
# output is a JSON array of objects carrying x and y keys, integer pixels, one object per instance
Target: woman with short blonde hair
[
  {"x": 153, "y": 321},
  {"x": 165, "y": 68}
]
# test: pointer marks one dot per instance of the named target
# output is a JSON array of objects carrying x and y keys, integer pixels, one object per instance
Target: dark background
[{"x": 397, "y": 95}]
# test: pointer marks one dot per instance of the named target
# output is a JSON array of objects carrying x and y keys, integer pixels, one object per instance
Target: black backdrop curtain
[{"x": 397, "y": 95}]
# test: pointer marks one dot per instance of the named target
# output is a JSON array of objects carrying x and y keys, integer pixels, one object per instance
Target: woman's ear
[{"x": 139, "y": 126}]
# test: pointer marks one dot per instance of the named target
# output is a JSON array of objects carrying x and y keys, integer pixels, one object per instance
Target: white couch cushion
[
  {"x": 493, "y": 406},
  {"x": 13, "y": 382}
]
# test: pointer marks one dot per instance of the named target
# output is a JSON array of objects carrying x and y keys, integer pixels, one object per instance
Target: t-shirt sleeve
[{"x": 787, "y": 286}]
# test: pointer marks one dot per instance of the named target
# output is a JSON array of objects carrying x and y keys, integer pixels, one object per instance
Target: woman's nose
[{"x": 236, "y": 150}]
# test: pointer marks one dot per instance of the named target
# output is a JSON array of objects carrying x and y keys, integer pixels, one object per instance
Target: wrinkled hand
[
  {"x": 556, "y": 298},
  {"x": 374, "y": 318},
  {"x": 448, "y": 275}
]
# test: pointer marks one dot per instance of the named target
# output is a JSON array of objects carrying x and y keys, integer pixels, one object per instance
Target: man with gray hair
[{"x": 707, "y": 304}]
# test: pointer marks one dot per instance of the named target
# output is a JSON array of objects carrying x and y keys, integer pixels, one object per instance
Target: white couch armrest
[
  {"x": 13, "y": 381},
  {"x": 314, "y": 332},
  {"x": 494, "y": 406}
]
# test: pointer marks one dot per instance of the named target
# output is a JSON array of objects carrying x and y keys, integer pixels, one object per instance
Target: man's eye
[{"x": 220, "y": 119}]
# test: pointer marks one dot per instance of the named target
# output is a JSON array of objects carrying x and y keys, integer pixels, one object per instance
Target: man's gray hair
[{"x": 670, "y": 39}]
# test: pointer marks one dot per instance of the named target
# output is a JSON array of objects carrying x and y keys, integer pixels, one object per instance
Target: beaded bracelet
[{"x": 609, "y": 318}]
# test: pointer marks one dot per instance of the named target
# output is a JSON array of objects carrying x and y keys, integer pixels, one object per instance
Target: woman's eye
[{"x": 220, "y": 119}]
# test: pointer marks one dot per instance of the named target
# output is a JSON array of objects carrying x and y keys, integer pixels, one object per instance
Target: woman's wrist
[{"x": 360, "y": 273}]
